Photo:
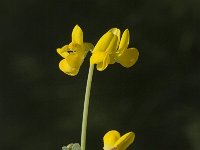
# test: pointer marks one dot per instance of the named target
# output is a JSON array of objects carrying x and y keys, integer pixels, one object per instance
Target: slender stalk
[{"x": 86, "y": 107}]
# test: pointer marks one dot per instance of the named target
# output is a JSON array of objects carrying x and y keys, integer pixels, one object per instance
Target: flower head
[
  {"x": 110, "y": 49},
  {"x": 74, "y": 53},
  {"x": 113, "y": 140},
  {"x": 105, "y": 47}
]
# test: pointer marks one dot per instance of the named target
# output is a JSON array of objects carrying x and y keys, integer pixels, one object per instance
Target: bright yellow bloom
[
  {"x": 74, "y": 53},
  {"x": 110, "y": 49},
  {"x": 113, "y": 140},
  {"x": 105, "y": 47}
]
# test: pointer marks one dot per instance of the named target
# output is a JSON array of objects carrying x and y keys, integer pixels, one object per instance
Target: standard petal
[
  {"x": 124, "y": 41},
  {"x": 103, "y": 42},
  {"x": 128, "y": 57},
  {"x": 110, "y": 139},
  {"x": 123, "y": 142},
  {"x": 63, "y": 51},
  {"x": 66, "y": 68},
  {"x": 77, "y": 35}
]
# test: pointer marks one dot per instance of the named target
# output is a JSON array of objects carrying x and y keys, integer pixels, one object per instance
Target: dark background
[{"x": 158, "y": 98}]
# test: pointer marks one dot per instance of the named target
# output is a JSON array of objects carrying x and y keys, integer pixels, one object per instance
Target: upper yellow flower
[
  {"x": 105, "y": 47},
  {"x": 110, "y": 49},
  {"x": 74, "y": 53},
  {"x": 113, "y": 140}
]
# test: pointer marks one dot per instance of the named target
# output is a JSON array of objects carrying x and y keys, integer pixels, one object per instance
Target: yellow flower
[
  {"x": 110, "y": 49},
  {"x": 113, "y": 140},
  {"x": 105, "y": 47},
  {"x": 74, "y": 53}
]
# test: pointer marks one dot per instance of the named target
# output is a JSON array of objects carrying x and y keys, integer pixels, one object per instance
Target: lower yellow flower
[
  {"x": 113, "y": 140},
  {"x": 74, "y": 53}
]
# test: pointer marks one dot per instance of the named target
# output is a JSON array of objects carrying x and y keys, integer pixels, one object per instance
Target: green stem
[{"x": 86, "y": 107}]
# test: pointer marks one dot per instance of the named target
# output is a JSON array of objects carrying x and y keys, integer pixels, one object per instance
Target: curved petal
[
  {"x": 97, "y": 57},
  {"x": 103, "y": 65},
  {"x": 63, "y": 51},
  {"x": 77, "y": 35},
  {"x": 124, "y": 41},
  {"x": 66, "y": 68},
  {"x": 110, "y": 139},
  {"x": 128, "y": 58},
  {"x": 101, "y": 59},
  {"x": 75, "y": 60},
  {"x": 116, "y": 32},
  {"x": 124, "y": 141},
  {"x": 103, "y": 42},
  {"x": 112, "y": 48}
]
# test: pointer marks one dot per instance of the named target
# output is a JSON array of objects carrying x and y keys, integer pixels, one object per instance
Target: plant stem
[{"x": 86, "y": 107}]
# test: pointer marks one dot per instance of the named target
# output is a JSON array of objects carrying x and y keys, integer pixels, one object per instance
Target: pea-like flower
[
  {"x": 102, "y": 54},
  {"x": 113, "y": 140},
  {"x": 74, "y": 53},
  {"x": 110, "y": 49}
]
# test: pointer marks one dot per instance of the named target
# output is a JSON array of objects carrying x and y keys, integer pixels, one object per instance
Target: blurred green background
[{"x": 158, "y": 98}]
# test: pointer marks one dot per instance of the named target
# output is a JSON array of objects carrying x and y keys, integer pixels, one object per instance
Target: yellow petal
[
  {"x": 101, "y": 59},
  {"x": 110, "y": 139},
  {"x": 77, "y": 35},
  {"x": 63, "y": 51},
  {"x": 74, "y": 47},
  {"x": 103, "y": 65},
  {"x": 66, "y": 68},
  {"x": 124, "y": 41},
  {"x": 103, "y": 42},
  {"x": 97, "y": 57},
  {"x": 128, "y": 57},
  {"x": 112, "y": 47},
  {"x": 124, "y": 141},
  {"x": 116, "y": 32},
  {"x": 75, "y": 60},
  {"x": 112, "y": 59}
]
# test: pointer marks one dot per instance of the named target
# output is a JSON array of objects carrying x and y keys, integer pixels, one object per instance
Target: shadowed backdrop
[{"x": 157, "y": 98}]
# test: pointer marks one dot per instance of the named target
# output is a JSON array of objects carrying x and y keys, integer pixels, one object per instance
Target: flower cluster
[{"x": 109, "y": 49}]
